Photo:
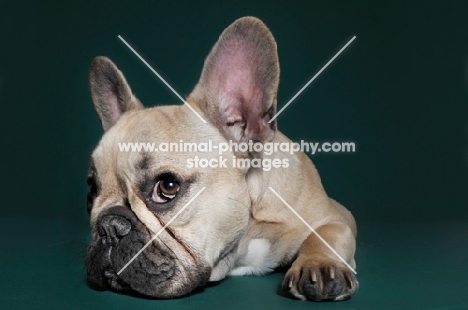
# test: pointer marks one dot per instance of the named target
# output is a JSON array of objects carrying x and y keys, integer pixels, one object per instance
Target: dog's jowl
[{"x": 237, "y": 225}]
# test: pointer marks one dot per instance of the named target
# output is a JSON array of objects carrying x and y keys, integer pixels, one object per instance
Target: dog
[{"x": 237, "y": 225}]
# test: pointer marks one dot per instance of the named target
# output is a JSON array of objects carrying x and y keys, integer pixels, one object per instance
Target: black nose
[{"x": 112, "y": 228}]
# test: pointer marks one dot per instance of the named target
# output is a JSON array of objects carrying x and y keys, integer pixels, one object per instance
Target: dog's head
[{"x": 133, "y": 195}]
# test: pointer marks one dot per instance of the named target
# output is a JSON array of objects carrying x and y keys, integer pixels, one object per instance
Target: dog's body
[{"x": 237, "y": 225}]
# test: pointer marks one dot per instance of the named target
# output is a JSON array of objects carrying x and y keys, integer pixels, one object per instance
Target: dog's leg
[{"x": 317, "y": 273}]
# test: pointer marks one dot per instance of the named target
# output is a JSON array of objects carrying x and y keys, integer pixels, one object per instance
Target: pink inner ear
[
  {"x": 235, "y": 81},
  {"x": 114, "y": 108}
]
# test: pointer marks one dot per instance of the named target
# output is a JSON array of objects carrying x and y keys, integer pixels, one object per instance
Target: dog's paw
[{"x": 320, "y": 281}]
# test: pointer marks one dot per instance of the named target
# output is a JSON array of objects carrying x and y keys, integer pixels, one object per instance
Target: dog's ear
[
  {"x": 239, "y": 82},
  {"x": 110, "y": 92}
]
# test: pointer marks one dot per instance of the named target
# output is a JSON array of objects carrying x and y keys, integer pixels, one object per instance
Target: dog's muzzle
[
  {"x": 155, "y": 272},
  {"x": 111, "y": 229}
]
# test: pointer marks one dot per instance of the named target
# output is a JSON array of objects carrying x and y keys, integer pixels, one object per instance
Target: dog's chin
[
  {"x": 155, "y": 278},
  {"x": 154, "y": 273}
]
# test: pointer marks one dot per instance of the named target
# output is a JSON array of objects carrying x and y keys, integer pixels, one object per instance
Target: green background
[{"x": 399, "y": 91}]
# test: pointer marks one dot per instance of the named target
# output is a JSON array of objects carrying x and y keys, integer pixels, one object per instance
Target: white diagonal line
[
  {"x": 312, "y": 79},
  {"x": 313, "y": 230},
  {"x": 160, "y": 231},
  {"x": 161, "y": 78}
]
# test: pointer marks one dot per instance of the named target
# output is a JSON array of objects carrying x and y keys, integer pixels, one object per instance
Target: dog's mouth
[
  {"x": 148, "y": 274},
  {"x": 155, "y": 272}
]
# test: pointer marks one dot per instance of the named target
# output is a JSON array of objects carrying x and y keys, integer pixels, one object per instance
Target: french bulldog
[{"x": 237, "y": 225}]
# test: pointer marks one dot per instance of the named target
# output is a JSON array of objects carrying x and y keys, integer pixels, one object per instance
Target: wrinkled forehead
[
  {"x": 159, "y": 124},
  {"x": 157, "y": 136}
]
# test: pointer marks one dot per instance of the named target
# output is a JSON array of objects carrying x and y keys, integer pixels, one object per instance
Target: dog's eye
[
  {"x": 165, "y": 189},
  {"x": 92, "y": 192}
]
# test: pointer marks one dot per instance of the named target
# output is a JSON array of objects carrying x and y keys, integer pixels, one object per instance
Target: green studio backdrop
[{"x": 399, "y": 92}]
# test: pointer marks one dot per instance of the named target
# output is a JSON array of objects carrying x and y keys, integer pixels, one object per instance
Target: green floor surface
[{"x": 400, "y": 266}]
